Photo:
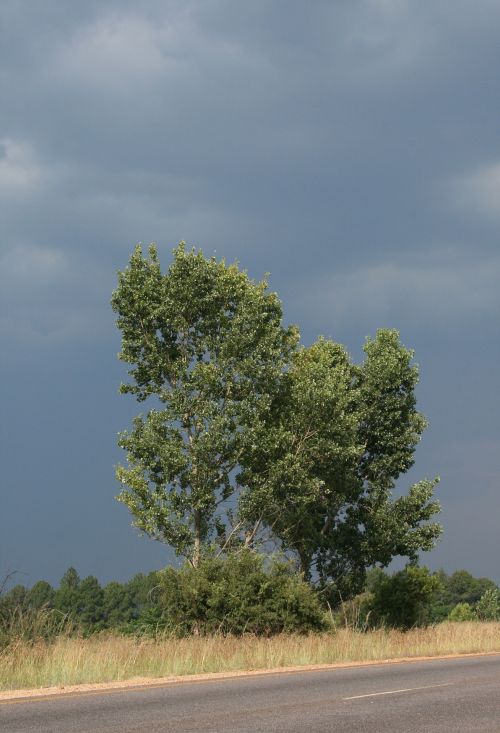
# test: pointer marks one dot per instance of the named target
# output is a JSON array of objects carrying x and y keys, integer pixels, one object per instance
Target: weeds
[{"x": 104, "y": 657}]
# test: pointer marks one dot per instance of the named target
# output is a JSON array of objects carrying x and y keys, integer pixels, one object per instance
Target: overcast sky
[{"x": 349, "y": 147}]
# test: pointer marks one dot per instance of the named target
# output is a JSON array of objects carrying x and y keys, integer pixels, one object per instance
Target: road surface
[{"x": 455, "y": 696}]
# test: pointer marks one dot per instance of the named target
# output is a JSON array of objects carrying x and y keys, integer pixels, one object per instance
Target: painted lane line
[{"x": 394, "y": 692}]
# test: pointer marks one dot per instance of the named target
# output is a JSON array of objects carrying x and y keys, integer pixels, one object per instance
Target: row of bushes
[
  {"x": 242, "y": 593},
  {"x": 235, "y": 595},
  {"x": 414, "y": 597}
]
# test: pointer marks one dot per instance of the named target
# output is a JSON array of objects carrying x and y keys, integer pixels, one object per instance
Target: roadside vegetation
[
  {"x": 270, "y": 469},
  {"x": 234, "y": 614},
  {"x": 106, "y": 658}
]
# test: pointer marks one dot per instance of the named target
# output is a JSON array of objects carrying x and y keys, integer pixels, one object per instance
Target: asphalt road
[{"x": 442, "y": 695}]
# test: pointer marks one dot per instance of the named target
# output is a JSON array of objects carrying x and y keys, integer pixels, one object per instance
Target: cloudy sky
[{"x": 349, "y": 147}]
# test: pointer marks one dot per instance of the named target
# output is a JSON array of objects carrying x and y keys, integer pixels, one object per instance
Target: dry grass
[{"x": 68, "y": 661}]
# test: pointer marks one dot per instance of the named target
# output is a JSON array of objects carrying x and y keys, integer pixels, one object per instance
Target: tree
[
  {"x": 16, "y": 598},
  {"x": 328, "y": 456},
  {"x": 70, "y": 580},
  {"x": 90, "y": 604},
  {"x": 488, "y": 606},
  {"x": 207, "y": 344},
  {"x": 251, "y": 437},
  {"x": 462, "y": 587},
  {"x": 67, "y": 597},
  {"x": 41, "y": 595},
  {"x": 404, "y": 599},
  {"x": 82, "y": 601},
  {"x": 118, "y": 606},
  {"x": 143, "y": 591},
  {"x": 458, "y": 589}
]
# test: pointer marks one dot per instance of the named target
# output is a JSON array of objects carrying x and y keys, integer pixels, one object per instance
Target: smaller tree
[
  {"x": 41, "y": 595},
  {"x": 66, "y": 597},
  {"x": 144, "y": 590},
  {"x": 488, "y": 606},
  {"x": 461, "y": 612},
  {"x": 118, "y": 605},
  {"x": 404, "y": 600},
  {"x": 90, "y": 604},
  {"x": 15, "y": 598}
]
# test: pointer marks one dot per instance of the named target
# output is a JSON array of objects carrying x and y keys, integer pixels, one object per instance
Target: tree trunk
[
  {"x": 305, "y": 564},
  {"x": 197, "y": 539}
]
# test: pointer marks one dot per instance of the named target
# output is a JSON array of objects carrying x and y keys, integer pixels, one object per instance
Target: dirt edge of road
[{"x": 145, "y": 682}]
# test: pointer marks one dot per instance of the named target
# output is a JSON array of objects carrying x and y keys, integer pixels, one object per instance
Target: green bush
[
  {"x": 461, "y": 612},
  {"x": 404, "y": 600},
  {"x": 488, "y": 606},
  {"x": 237, "y": 595},
  {"x": 355, "y": 613}
]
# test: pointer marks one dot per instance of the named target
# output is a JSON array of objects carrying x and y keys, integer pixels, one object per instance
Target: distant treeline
[
  {"x": 242, "y": 595},
  {"x": 92, "y": 606}
]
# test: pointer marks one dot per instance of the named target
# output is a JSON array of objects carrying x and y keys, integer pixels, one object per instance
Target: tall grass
[
  {"x": 105, "y": 658},
  {"x": 20, "y": 623}
]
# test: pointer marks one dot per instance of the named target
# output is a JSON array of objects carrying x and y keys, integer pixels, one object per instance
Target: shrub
[
  {"x": 236, "y": 595},
  {"x": 488, "y": 606},
  {"x": 461, "y": 612},
  {"x": 404, "y": 600},
  {"x": 355, "y": 613}
]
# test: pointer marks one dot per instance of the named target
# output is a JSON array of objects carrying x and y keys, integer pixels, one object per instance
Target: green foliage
[
  {"x": 70, "y": 580},
  {"x": 461, "y": 612},
  {"x": 327, "y": 457},
  {"x": 253, "y": 439},
  {"x": 301, "y": 471},
  {"x": 118, "y": 605},
  {"x": 144, "y": 591},
  {"x": 355, "y": 613},
  {"x": 488, "y": 606},
  {"x": 67, "y": 598},
  {"x": 462, "y": 587},
  {"x": 404, "y": 599},
  {"x": 241, "y": 592},
  {"x": 121, "y": 606},
  {"x": 29, "y": 614},
  {"x": 81, "y": 600},
  {"x": 236, "y": 595},
  {"x": 90, "y": 609},
  {"x": 31, "y": 624},
  {"x": 207, "y": 343},
  {"x": 17, "y": 597},
  {"x": 41, "y": 595},
  {"x": 374, "y": 578},
  {"x": 459, "y": 587}
]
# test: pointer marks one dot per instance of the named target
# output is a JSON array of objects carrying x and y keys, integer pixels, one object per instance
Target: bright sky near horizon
[{"x": 351, "y": 149}]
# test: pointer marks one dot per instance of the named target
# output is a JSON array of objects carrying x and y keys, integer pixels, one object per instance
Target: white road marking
[{"x": 394, "y": 692}]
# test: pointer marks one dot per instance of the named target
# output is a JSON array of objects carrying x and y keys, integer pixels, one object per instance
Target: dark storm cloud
[{"x": 351, "y": 148}]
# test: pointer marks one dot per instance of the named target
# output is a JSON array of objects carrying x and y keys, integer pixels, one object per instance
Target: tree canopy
[
  {"x": 208, "y": 344},
  {"x": 326, "y": 463},
  {"x": 252, "y": 438}
]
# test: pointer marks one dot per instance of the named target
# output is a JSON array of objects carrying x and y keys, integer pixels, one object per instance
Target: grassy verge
[{"x": 68, "y": 661}]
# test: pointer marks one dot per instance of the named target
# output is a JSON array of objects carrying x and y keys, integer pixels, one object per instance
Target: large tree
[
  {"x": 206, "y": 344},
  {"x": 301, "y": 468},
  {"x": 251, "y": 437},
  {"x": 326, "y": 460}
]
